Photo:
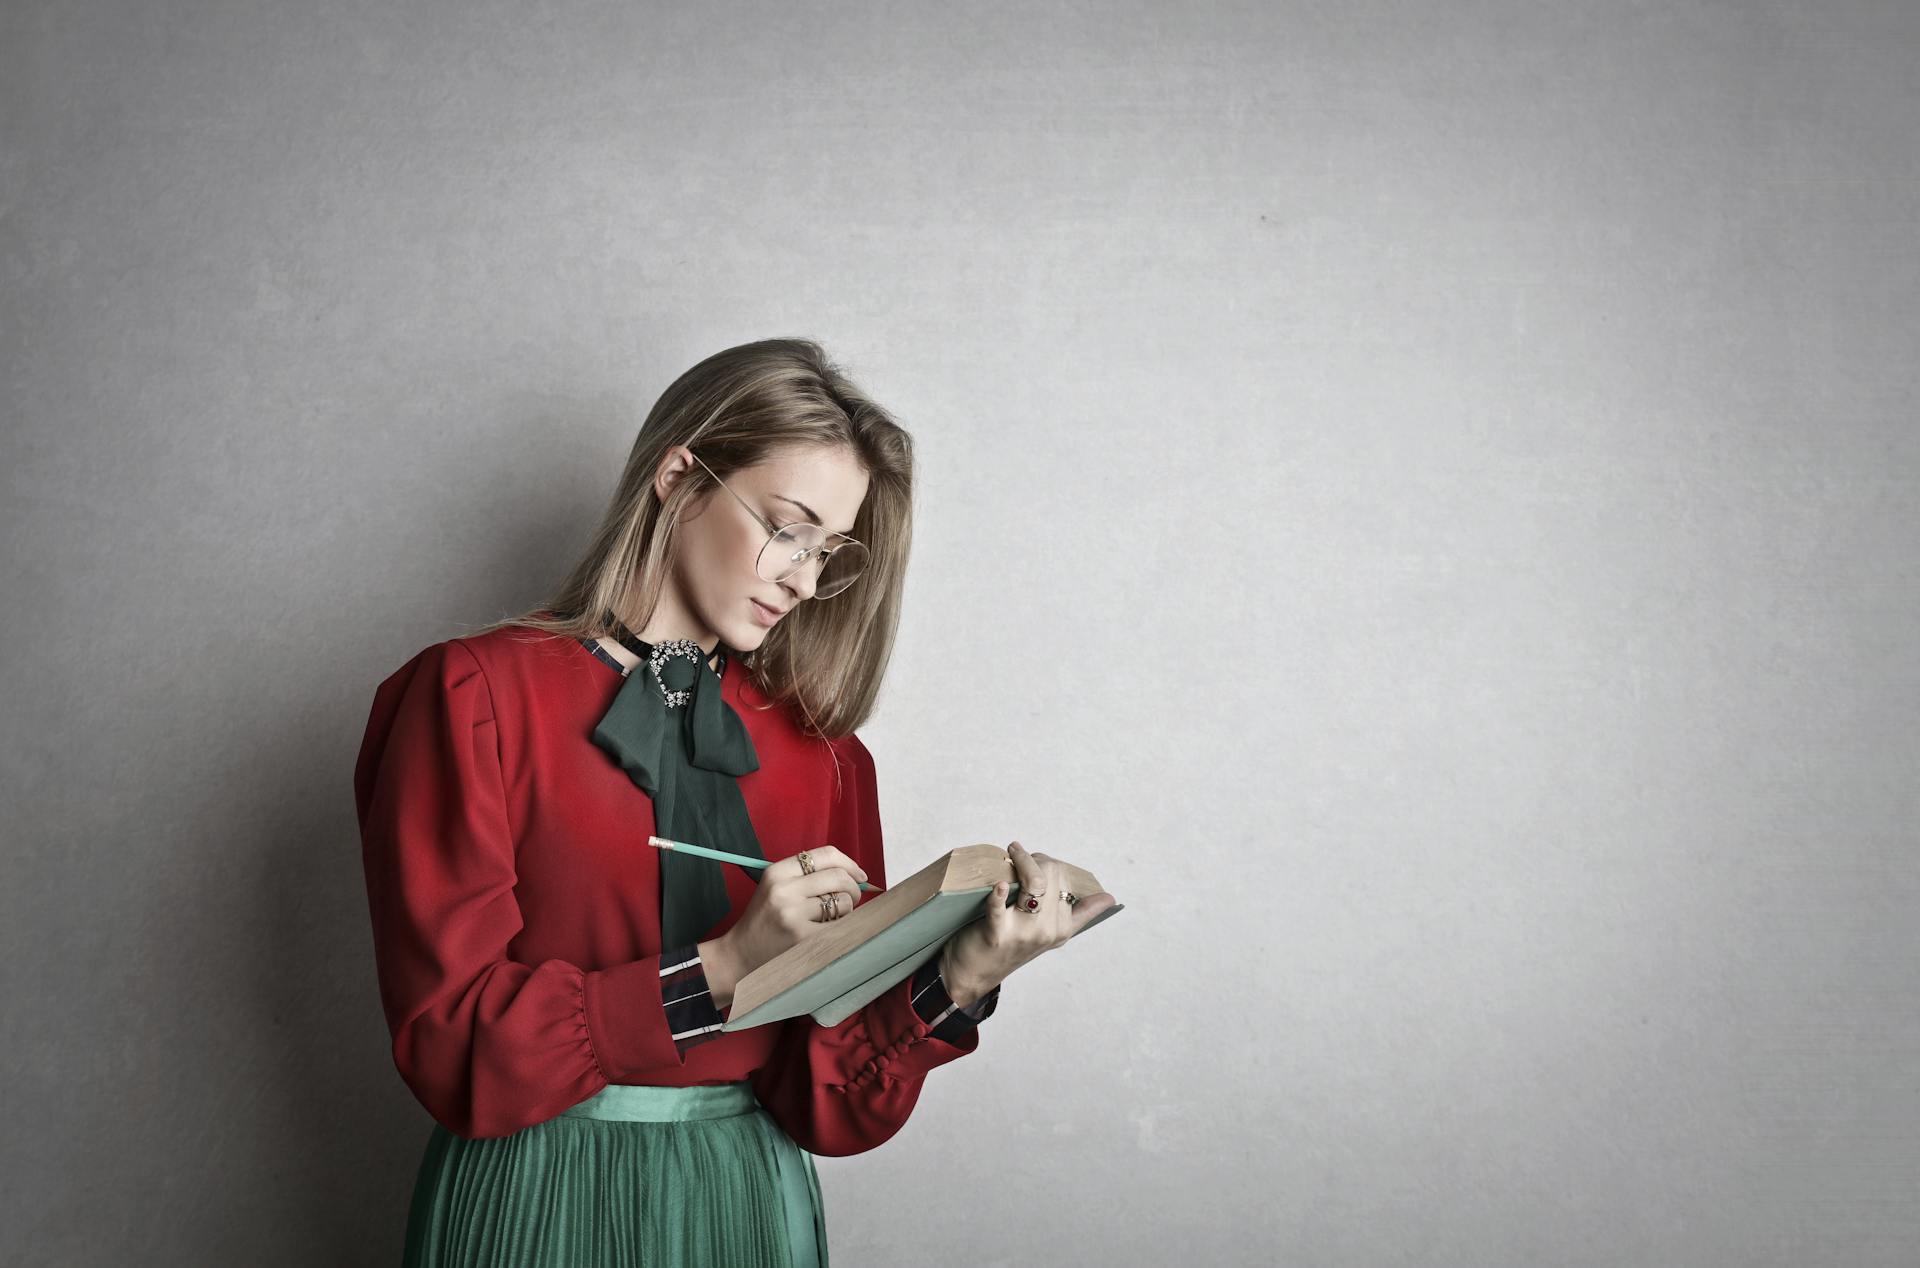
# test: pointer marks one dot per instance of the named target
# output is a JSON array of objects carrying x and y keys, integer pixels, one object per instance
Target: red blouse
[{"x": 516, "y": 905}]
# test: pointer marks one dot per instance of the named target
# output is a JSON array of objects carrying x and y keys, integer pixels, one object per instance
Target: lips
[{"x": 771, "y": 611}]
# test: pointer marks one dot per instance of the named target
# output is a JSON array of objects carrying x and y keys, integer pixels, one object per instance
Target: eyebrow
[{"x": 811, "y": 514}]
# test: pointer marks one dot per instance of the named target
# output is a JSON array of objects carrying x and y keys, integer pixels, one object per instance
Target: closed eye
[{"x": 781, "y": 527}]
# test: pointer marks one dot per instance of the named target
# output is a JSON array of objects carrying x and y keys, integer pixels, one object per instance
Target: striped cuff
[
  {"x": 691, "y": 1015},
  {"x": 935, "y": 1007}
]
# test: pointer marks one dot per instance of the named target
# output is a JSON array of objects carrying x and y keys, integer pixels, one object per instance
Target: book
[{"x": 853, "y": 960}]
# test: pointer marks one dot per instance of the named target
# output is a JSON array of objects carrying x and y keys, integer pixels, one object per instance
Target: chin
[{"x": 749, "y": 635}]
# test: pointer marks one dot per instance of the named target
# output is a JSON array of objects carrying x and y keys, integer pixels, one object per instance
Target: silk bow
[{"x": 685, "y": 756}]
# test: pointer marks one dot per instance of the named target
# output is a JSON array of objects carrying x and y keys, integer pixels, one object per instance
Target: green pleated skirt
[{"x": 630, "y": 1177}]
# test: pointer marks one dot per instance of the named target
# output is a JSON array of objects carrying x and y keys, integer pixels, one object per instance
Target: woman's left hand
[{"x": 980, "y": 956}]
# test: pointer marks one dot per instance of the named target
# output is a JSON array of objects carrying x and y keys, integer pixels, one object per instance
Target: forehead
[{"x": 831, "y": 481}]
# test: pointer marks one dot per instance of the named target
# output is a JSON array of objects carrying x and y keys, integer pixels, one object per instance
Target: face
[{"x": 711, "y": 590}]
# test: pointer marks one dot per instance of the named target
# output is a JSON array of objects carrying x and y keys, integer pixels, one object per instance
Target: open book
[{"x": 854, "y": 959}]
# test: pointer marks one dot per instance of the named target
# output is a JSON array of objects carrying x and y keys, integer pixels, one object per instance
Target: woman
[{"x": 555, "y": 987}]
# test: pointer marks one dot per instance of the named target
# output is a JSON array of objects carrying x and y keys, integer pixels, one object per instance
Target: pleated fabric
[{"x": 630, "y": 1177}]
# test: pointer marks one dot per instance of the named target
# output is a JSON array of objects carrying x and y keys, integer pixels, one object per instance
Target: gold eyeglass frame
[{"x": 774, "y": 531}]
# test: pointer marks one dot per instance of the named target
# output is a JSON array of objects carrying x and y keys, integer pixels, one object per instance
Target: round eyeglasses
[{"x": 791, "y": 547}]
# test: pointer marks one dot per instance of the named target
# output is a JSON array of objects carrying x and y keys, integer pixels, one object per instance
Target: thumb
[{"x": 997, "y": 905}]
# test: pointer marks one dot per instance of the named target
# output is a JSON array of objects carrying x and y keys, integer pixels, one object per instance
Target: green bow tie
[{"x": 684, "y": 746}]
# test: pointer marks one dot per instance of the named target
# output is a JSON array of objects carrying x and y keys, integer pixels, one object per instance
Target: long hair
[{"x": 825, "y": 659}]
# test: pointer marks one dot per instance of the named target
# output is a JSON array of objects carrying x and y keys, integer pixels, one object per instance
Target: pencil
[{"x": 724, "y": 857}]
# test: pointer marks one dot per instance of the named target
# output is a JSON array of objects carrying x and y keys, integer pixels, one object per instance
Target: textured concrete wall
[{"x": 1420, "y": 498}]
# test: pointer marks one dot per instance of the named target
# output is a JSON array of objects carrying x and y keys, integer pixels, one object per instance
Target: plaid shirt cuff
[
  {"x": 691, "y": 1015},
  {"x": 949, "y": 1020}
]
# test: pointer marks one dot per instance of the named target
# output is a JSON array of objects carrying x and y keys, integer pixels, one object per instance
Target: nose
[{"x": 802, "y": 581}]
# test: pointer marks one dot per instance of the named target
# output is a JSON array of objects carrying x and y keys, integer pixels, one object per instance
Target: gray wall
[{"x": 1421, "y": 499}]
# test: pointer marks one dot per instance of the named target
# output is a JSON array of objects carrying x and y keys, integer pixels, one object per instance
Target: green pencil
[{"x": 705, "y": 853}]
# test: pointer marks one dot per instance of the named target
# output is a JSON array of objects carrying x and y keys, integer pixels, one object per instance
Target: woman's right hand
[{"x": 785, "y": 908}]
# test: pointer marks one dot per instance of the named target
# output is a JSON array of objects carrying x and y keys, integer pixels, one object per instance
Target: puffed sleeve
[
  {"x": 845, "y": 1089},
  {"x": 488, "y": 1045}
]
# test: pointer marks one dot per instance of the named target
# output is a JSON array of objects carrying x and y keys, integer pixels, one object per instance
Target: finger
[
  {"x": 1047, "y": 880},
  {"x": 1089, "y": 907},
  {"x": 825, "y": 880},
  {"x": 814, "y": 909},
  {"x": 1060, "y": 915},
  {"x": 834, "y": 856},
  {"x": 788, "y": 868},
  {"x": 820, "y": 856},
  {"x": 837, "y": 904},
  {"x": 998, "y": 913},
  {"x": 1026, "y": 871}
]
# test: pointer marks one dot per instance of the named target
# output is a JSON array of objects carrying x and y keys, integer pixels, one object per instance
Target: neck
[
  {"x": 619, "y": 645},
  {"x": 653, "y": 639}
]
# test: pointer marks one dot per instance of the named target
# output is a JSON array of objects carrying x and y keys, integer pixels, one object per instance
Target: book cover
[{"x": 853, "y": 960}]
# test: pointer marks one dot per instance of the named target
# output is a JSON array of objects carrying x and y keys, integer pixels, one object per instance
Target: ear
[{"x": 677, "y": 462}]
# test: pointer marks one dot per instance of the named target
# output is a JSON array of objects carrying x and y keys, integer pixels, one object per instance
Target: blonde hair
[{"x": 825, "y": 659}]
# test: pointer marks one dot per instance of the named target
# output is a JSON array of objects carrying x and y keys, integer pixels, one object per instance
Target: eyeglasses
[{"x": 790, "y": 547}]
